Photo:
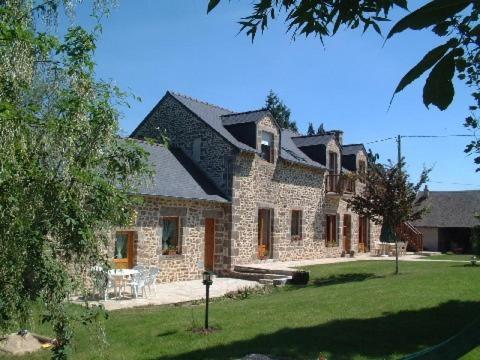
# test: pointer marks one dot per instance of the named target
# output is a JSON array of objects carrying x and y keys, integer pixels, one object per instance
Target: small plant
[
  {"x": 343, "y": 253},
  {"x": 352, "y": 253}
]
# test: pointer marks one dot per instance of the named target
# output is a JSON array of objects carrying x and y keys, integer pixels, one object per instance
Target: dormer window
[
  {"x": 362, "y": 170},
  {"x": 333, "y": 163},
  {"x": 267, "y": 146}
]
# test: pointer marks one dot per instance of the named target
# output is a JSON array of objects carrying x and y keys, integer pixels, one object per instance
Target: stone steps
[{"x": 263, "y": 276}]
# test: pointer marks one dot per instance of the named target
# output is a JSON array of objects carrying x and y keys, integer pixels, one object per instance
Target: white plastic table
[{"x": 121, "y": 276}]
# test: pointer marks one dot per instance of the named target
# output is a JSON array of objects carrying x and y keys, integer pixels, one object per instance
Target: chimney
[{"x": 338, "y": 135}]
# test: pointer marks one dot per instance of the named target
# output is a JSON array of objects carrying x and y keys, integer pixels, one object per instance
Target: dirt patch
[{"x": 22, "y": 344}]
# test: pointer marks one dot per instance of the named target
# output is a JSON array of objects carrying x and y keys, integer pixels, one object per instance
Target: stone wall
[
  {"x": 189, "y": 264},
  {"x": 282, "y": 187},
  {"x": 184, "y": 129}
]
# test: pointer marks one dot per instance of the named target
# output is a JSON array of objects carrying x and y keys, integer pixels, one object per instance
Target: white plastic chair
[
  {"x": 152, "y": 279},
  {"x": 137, "y": 283}
]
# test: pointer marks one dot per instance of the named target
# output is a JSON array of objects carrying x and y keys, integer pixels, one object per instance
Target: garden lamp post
[{"x": 207, "y": 281}]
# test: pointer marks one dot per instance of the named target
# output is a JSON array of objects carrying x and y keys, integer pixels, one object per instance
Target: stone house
[{"x": 234, "y": 188}]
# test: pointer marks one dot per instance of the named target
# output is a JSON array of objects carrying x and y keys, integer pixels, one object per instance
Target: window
[
  {"x": 267, "y": 146},
  {"x": 196, "y": 147},
  {"x": 331, "y": 239},
  {"x": 170, "y": 236},
  {"x": 123, "y": 250},
  {"x": 296, "y": 225},
  {"x": 333, "y": 163},
  {"x": 362, "y": 170}
]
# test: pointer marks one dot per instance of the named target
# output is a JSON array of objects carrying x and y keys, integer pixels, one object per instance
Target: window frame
[
  {"x": 169, "y": 251},
  {"x": 126, "y": 262},
  {"x": 331, "y": 230},
  {"x": 298, "y": 226},
  {"x": 270, "y": 152}
]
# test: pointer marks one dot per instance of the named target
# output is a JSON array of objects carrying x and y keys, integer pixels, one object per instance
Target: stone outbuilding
[{"x": 447, "y": 226}]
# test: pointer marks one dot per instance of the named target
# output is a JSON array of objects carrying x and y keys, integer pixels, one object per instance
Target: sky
[{"x": 148, "y": 47}]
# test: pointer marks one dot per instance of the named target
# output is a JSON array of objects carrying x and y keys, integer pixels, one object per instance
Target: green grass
[
  {"x": 455, "y": 257},
  {"x": 356, "y": 310}
]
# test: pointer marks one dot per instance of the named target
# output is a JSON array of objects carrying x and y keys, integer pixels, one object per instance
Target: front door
[
  {"x": 209, "y": 243},
  {"x": 123, "y": 252},
  {"x": 363, "y": 245},
  {"x": 347, "y": 231},
  {"x": 264, "y": 233}
]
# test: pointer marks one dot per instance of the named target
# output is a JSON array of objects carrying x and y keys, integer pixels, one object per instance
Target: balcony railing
[{"x": 339, "y": 184}]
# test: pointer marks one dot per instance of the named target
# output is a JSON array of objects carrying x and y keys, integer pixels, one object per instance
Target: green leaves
[
  {"x": 432, "y": 13},
  {"x": 429, "y": 60},
  {"x": 212, "y": 4},
  {"x": 438, "y": 89}
]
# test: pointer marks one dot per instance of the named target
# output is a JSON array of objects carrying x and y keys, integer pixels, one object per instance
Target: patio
[{"x": 174, "y": 293}]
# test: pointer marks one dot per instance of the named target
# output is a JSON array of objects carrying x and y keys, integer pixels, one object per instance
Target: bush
[{"x": 476, "y": 239}]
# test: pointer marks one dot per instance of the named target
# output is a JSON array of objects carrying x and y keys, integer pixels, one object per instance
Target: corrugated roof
[
  {"x": 244, "y": 117},
  {"x": 211, "y": 114},
  {"x": 175, "y": 175},
  {"x": 451, "y": 209},
  {"x": 291, "y": 152},
  {"x": 352, "y": 149}
]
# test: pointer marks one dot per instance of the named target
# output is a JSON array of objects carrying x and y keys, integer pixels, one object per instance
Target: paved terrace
[
  {"x": 185, "y": 291},
  {"x": 177, "y": 292}
]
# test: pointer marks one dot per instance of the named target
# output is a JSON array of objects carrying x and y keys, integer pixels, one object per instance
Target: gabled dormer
[
  {"x": 323, "y": 148},
  {"x": 257, "y": 129},
  {"x": 354, "y": 159}
]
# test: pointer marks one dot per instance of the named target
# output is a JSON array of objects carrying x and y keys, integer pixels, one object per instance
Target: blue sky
[{"x": 148, "y": 47}]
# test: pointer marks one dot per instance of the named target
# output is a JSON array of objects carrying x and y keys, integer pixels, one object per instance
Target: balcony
[{"x": 339, "y": 184}]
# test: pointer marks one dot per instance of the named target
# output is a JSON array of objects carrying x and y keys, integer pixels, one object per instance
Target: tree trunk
[{"x": 396, "y": 256}]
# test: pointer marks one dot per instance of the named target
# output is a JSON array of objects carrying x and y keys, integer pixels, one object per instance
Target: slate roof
[
  {"x": 175, "y": 175},
  {"x": 215, "y": 116},
  {"x": 211, "y": 114},
  {"x": 244, "y": 117},
  {"x": 352, "y": 149},
  {"x": 313, "y": 139},
  {"x": 451, "y": 209}
]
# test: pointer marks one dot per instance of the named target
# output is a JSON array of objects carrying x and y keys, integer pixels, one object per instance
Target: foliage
[
  {"x": 476, "y": 238},
  {"x": 280, "y": 111},
  {"x": 429, "y": 303},
  {"x": 389, "y": 198},
  {"x": 321, "y": 130},
  {"x": 455, "y": 20},
  {"x": 65, "y": 175},
  {"x": 310, "y": 130}
]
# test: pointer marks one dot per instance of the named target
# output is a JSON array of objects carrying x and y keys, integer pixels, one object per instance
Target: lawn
[
  {"x": 356, "y": 310},
  {"x": 454, "y": 257}
]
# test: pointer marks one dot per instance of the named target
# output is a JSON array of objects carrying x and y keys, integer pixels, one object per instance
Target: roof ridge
[
  {"x": 353, "y": 144},
  {"x": 312, "y": 135},
  {"x": 244, "y": 112},
  {"x": 199, "y": 101},
  {"x": 144, "y": 141}
]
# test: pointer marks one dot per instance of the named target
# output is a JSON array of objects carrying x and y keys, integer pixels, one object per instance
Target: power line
[
  {"x": 452, "y": 183},
  {"x": 420, "y": 136},
  {"x": 376, "y": 141}
]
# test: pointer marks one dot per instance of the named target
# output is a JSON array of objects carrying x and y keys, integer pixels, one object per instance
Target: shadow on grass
[
  {"x": 344, "y": 278},
  {"x": 388, "y": 336}
]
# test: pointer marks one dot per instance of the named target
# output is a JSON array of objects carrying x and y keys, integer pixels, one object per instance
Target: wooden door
[
  {"x": 363, "y": 234},
  {"x": 347, "y": 231},
  {"x": 264, "y": 233},
  {"x": 123, "y": 252},
  {"x": 209, "y": 244}
]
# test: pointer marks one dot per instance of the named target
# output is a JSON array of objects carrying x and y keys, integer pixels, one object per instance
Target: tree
[
  {"x": 65, "y": 175},
  {"x": 389, "y": 198},
  {"x": 310, "y": 130},
  {"x": 456, "y": 20},
  {"x": 280, "y": 111},
  {"x": 321, "y": 130}
]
